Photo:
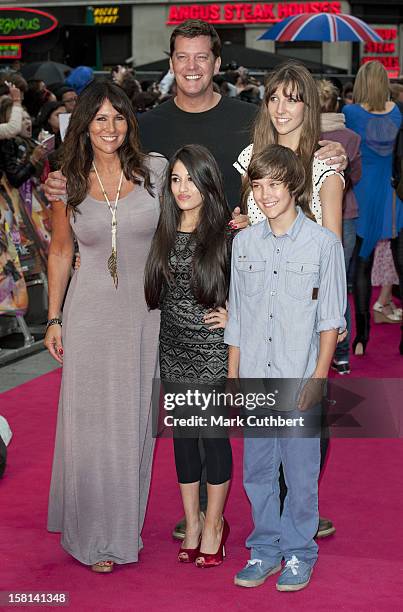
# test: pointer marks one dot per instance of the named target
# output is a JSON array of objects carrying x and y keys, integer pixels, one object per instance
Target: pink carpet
[{"x": 359, "y": 568}]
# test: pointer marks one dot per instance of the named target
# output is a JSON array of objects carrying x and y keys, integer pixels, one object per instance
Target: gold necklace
[{"x": 113, "y": 258}]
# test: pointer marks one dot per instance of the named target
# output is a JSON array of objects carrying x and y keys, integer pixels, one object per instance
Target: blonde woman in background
[{"x": 377, "y": 120}]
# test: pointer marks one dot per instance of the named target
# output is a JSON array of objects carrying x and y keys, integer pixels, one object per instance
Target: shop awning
[{"x": 253, "y": 59}]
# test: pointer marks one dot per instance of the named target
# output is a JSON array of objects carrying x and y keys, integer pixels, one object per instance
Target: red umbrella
[{"x": 323, "y": 27}]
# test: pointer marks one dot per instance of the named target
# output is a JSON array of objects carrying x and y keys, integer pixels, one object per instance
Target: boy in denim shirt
[{"x": 286, "y": 307}]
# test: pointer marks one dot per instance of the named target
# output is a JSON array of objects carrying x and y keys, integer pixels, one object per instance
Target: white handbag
[{"x": 5, "y": 431}]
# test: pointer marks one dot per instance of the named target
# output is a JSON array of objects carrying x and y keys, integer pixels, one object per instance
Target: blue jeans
[
  {"x": 342, "y": 352},
  {"x": 292, "y": 533}
]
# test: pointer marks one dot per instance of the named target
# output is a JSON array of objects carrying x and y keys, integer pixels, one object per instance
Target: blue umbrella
[{"x": 323, "y": 27}]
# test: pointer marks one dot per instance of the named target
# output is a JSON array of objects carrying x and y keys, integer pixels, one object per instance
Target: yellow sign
[{"x": 106, "y": 15}]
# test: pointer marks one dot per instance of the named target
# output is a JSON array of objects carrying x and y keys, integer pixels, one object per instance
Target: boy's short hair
[
  {"x": 280, "y": 164},
  {"x": 192, "y": 28}
]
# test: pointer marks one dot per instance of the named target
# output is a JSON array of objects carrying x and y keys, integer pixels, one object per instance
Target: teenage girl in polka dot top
[{"x": 290, "y": 116}]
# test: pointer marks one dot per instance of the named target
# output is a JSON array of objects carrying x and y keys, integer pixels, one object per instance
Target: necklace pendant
[
  {"x": 113, "y": 259},
  {"x": 113, "y": 267}
]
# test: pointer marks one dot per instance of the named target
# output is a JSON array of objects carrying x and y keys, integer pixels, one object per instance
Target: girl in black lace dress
[{"x": 187, "y": 277}]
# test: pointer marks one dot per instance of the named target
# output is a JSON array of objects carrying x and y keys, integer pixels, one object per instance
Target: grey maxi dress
[{"x": 103, "y": 453}]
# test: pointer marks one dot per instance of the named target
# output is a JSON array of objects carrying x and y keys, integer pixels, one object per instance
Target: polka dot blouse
[{"x": 320, "y": 173}]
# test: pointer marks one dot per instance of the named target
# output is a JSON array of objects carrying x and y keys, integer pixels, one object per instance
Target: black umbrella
[{"x": 50, "y": 72}]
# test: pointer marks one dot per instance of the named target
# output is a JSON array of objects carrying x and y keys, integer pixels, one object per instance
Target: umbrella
[
  {"x": 323, "y": 27},
  {"x": 50, "y": 72}
]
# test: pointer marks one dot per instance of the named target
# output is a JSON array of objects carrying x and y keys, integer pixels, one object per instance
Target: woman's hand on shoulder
[
  {"x": 217, "y": 318},
  {"x": 333, "y": 153}
]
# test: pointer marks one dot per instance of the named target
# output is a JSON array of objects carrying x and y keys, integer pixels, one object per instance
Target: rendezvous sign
[{"x": 22, "y": 23}]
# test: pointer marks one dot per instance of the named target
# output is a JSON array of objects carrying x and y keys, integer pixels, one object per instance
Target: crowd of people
[{"x": 158, "y": 187}]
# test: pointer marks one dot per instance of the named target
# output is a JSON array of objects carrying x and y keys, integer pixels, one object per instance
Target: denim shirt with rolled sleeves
[{"x": 284, "y": 291}]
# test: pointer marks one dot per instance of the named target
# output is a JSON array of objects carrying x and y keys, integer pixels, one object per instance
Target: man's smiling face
[{"x": 194, "y": 65}]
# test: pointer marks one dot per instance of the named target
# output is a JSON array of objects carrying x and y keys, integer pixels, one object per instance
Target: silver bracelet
[{"x": 55, "y": 321}]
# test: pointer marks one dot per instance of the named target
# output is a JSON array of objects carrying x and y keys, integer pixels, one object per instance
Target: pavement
[{"x": 21, "y": 371}]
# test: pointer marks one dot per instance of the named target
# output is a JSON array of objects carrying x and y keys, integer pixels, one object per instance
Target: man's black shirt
[{"x": 225, "y": 130}]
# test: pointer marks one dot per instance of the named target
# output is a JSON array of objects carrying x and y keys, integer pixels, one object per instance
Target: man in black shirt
[
  {"x": 225, "y": 129},
  {"x": 197, "y": 114}
]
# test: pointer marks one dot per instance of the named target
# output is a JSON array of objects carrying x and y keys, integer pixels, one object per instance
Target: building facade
[{"x": 104, "y": 34}]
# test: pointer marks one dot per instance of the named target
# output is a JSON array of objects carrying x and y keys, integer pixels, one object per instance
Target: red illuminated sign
[
  {"x": 374, "y": 47},
  {"x": 391, "y": 62},
  {"x": 387, "y": 53},
  {"x": 243, "y": 13},
  {"x": 10, "y": 50},
  {"x": 387, "y": 33}
]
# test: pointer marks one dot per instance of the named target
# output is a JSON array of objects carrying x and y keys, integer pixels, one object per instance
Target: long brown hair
[
  {"x": 295, "y": 79},
  {"x": 371, "y": 86},
  {"x": 211, "y": 260},
  {"x": 78, "y": 154}
]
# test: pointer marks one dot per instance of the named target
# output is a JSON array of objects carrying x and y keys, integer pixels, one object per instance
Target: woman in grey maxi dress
[{"x": 103, "y": 454}]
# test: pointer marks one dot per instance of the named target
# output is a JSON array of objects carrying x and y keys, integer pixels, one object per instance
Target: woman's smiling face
[
  {"x": 108, "y": 129},
  {"x": 286, "y": 111}
]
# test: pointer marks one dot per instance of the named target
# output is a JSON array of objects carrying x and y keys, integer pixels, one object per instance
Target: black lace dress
[{"x": 189, "y": 351}]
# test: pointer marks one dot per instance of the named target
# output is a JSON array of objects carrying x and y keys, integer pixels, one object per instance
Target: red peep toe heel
[
  {"x": 206, "y": 560},
  {"x": 189, "y": 555}
]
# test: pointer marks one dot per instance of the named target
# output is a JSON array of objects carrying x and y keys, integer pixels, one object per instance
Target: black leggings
[
  {"x": 397, "y": 252},
  {"x": 362, "y": 279},
  {"x": 189, "y": 465},
  {"x": 362, "y": 282}
]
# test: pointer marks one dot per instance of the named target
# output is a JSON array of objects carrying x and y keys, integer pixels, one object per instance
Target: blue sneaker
[
  {"x": 295, "y": 576},
  {"x": 255, "y": 573}
]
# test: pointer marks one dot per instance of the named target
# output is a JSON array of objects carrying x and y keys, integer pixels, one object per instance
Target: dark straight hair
[
  {"x": 77, "y": 150},
  {"x": 210, "y": 275}
]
